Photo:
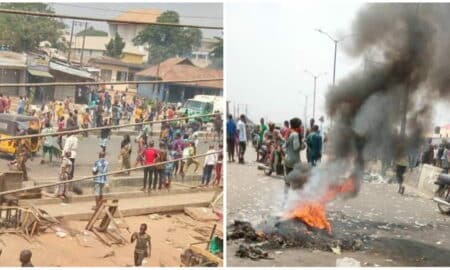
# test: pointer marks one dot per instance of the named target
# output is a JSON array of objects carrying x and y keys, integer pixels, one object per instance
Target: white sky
[{"x": 268, "y": 47}]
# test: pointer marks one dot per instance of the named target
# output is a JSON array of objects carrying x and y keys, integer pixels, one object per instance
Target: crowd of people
[
  {"x": 177, "y": 139},
  {"x": 275, "y": 144}
]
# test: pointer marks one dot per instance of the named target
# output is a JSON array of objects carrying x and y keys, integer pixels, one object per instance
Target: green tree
[
  {"x": 115, "y": 46},
  {"x": 24, "y": 33},
  {"x": 168, "y": 41},
  {"x": 92, "y": 32},
  {"x": 217, "y": 54}
]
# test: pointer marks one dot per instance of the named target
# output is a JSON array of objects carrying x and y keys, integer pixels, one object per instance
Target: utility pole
[
  {"x": 84, "y": 41},
  {"x": 306, "y": 110},
  {"x": 314, "y": 98},
  {"x": 334, "y": 65},
  {"x": 70, "y": 44},
  {"x": 315, "y": 86},
  {"x": 246, "y": 110}
]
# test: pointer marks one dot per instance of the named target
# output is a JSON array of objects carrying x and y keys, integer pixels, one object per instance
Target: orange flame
[{"x": 313, "y": 213}]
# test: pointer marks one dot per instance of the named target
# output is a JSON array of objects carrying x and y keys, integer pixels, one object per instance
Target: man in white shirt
[
  {"x": 210, "y": 161},
  {"x": 242, "y": 134},
  {"x": 70, "y": 146}
]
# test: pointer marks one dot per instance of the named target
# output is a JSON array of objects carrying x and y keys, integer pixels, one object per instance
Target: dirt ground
[{"x": 170, "y": 234}]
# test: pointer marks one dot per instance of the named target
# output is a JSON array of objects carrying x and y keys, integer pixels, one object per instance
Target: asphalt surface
[
  {"x": 403, "y": 230},
  {"x": 87, "y": 154}
]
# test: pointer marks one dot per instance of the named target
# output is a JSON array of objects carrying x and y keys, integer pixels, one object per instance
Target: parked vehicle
[
  {"x": 442, "y": 195},
  {"x": 13, "y": 125},
  {"x": 203, "y": 104}
]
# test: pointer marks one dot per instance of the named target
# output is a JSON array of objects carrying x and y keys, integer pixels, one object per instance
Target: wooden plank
[
  {"x": 93, "y": 219},
  {"x": 101, "y": 237},
  {"x": 201, "y": 213},
  {"x": 199, "y": 250}
]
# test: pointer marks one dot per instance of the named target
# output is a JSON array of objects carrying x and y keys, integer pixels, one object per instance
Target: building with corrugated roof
[{"x": 177, "y": 69}]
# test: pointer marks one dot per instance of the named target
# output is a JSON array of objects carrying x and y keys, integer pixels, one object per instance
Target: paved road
[
  {"x": 88, "y": 149},
  {"x": 406, "y": 230}
]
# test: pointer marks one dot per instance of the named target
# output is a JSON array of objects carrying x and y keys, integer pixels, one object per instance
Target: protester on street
[
  {"x": 142, "y": 145},
  {"x": 169, "y": 167},
  {"x": 64, "y": 174},
  {"x": 23, "y": 152},
  {"x": 218, "y": 167},
  {"x": 401, "y": 165},
  {"x": 210, "y": 161},
  {"x": 231, "y": 133},
  {"x": 160, "y": 169},
  {"x": 71, "y": 146},
  {"x": 242, "y": 134},
  {"x": 150, "y": 154},
  {"x": 188, "y": 154},
  {"x": 125, "y": 153},
  {"x": 143, "y": 247},
  {"x": 445, "y": 159},
  {"x": 314, "y": 142},
  {"x": 105, "y": 133},
  {"x": 293, "y": 145},
  {"x": 47, "y": 146},
  {"x": 100, "y": 168}
]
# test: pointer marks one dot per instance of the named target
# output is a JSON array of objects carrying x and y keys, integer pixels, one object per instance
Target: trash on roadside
[{"x": 347, "y": 262}]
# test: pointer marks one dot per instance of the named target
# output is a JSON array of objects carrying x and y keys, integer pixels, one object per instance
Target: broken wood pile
[
  {"x": 106, "y": 212},
  {"x": 277, "y": 234},
  {"x": 25, "y": 220}
]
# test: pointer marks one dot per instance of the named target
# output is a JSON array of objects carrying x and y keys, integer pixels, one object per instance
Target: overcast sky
[
  {"x": 268, "y": 47},
  {"x": 210, "y": 14}
]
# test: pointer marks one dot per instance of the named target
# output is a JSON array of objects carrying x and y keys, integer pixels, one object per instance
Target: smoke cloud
[{"x": 367, "y": 107}]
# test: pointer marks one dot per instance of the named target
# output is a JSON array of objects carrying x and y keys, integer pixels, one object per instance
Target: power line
[
  {"x": 105, "y": 83},
  {"x": 75, "y": 131},
  {"x": 52, "y": 15},
  {"x": 135, "y": 12},
  {"x": 104, "y": 174}
]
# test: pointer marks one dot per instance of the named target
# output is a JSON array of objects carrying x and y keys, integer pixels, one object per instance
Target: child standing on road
[
  {"x": 143, "y": 247},
  {"x": 218, "y": 167}
]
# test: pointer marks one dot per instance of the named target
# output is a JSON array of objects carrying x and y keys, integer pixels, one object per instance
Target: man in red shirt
[{"x": 150, "y": 155}]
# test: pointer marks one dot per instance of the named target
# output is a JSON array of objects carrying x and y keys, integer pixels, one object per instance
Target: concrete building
[
  {"x": 95, "y": 47},
  {"x": 129, "y": 31},
  {"x": 179, "y": 69},
  {"x": 13, "y": 69},
  {"x": 200, "y": 56},
  {"x": 112, "y": 69},
  {"x": 63, "y": 72}
]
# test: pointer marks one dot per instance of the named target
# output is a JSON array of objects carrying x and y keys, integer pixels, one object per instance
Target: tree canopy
[
  {"x": 23, "y": 33},
  {"x": 92, "y": 32},
  {"x": 217, "y": 54},
  {"x": 115, "y": 46},
  {"x": 166, "y": 41}
]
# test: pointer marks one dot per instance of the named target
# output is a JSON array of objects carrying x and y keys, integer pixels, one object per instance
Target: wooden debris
[
  {"x": 201, "y": 213},
  {"x": 24, "y": 220},
  {"x": 106, "y": 212}
]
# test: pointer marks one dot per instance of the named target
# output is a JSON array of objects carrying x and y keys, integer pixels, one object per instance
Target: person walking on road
[
  {"x": 242, "y": 137},
  {"x": 210, "y": 161},
  {"x": 231, "y": 133},
  {"x": 71, "y": 146},
  {"x": 100, "y": 168},
  {"x": 293, "y": 145},
  {"x": 314, "y": 142},
  {"x": 445, "y": 159},
  {"x": 143, "y": 247},
  {"x": 47, "y": 146},
  {"x": 64, "y": 173},
  {"x": 160, "y": 169},
  {"x": 125, "y": 152}
]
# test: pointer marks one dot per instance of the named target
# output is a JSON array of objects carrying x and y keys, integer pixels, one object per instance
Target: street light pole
[
  {"x": 315, "y": 86},
  {"x": 334, "y": 66}
]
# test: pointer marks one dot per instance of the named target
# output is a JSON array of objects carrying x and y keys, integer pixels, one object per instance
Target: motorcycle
[
  {"x": 442, "y": 195},
  {"x": 271, "y": 160}
]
